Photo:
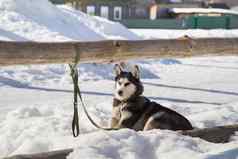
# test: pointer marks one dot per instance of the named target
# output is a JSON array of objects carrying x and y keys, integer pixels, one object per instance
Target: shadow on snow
[{"x": 17, "y": 84}]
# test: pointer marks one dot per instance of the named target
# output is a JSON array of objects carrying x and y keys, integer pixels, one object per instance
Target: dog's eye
[
  {"x": 127, "y": 84},
  {"x": 119, "y": 83}
]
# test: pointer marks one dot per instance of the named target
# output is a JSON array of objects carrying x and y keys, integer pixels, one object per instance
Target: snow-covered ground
[
  {"x": 36, "y": 101},
  {"x": 36, "y": 108},
  {"x": 193, "y": 33}
]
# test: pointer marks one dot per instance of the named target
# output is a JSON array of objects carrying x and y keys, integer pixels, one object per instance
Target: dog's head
[{"x": 128, "y": 84}]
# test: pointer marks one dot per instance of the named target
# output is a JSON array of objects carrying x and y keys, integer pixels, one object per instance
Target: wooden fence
[{"x": 13, "y": 53}]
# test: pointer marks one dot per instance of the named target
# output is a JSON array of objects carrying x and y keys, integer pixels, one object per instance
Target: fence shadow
[
  {"x": 193, "y": 89},
  {"x": 210, "y": 66},
  {"x": 11, "y": 35},
  {"x": 17, "y": 84}
]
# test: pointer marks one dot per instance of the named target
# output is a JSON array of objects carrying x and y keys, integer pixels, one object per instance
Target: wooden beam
[
  {"x": 60, "y": 154},
  {"x": 12, "y": 53},
  {"x": 220, "y": 134}
]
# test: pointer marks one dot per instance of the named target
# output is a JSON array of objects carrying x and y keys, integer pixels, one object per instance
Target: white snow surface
[
  {"x": 36, "y": 101},
  {"x": 153, "y": 145},
  {"x": 235, "y": 8},
  {"x": 192, "y": 33},
  {"x": 36, "y": 109},
  {"x": 40, "y": 20}
]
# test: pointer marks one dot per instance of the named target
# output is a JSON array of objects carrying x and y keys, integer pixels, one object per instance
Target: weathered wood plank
[
  {"x": 219, "y": 134},
  {"x": 61, "y": 154},
  {"x": 12, "y": 53}
]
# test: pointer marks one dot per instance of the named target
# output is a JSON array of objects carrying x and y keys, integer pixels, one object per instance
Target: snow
[
  {"x": 193, "y": 33},
  {"x": 235, "y": 8},
  {"x": 153, "y": 144},
  {"x": 39, "y": 118},
  {"x": 36, "y": 100},
  {"x": 203, "y": 10},
  {"x": 23, "y": 20}
]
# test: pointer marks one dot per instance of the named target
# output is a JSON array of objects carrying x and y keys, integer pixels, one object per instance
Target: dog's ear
[
  {"x": 136, "y": 72},
  {"x": 117, "y": 69}
]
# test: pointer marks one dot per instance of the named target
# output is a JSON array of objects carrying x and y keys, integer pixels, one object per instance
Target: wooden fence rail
[{"x": 13, "y": 53}]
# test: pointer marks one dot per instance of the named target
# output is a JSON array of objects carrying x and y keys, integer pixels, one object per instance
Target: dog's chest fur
[{"x": 130, "y": 114}]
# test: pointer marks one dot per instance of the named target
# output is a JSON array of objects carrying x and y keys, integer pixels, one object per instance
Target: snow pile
[
  {"x": 30, "y": 130},
  {"x": 23, "y": 20},
  {"x": 45, "y": 128},
  {"x": 127, "y": 144}
]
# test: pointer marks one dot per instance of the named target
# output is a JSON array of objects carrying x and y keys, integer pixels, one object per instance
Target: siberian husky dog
[{"x": 132, "y": 110}]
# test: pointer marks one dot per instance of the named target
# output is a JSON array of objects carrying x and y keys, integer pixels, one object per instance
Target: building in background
[
  {"x": 230, "y": 3},
  {"x": 162, "y": 14},
  {"x": 120, "y": 9},
  {"x": 134, "y": 9}
]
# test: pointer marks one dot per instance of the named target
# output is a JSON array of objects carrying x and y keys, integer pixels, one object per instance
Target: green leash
[
  {"x": 74, "y": 76},
  {"x": 77, "y": 93}
]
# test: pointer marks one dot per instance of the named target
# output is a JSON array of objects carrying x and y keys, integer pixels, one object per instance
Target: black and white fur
[{"x": 132, "y": 110}]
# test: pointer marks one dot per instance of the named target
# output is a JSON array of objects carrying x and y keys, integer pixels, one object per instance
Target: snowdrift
[
  {"x": 127, "y": 144},
  {"x": 40, "y": 129},
  {"x": 23, "y": 20}
]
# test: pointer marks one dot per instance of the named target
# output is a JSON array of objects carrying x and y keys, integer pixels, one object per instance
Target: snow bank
[
  {"x": 107, "y": 29},
  {"x": 127, "y": 144},
  {"x": 31, "y": 130},
  {"x": 23, "y": 20},
  {"x": 45, "y": 128}
]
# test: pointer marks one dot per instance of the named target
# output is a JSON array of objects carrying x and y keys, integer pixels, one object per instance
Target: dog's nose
[{"x": 120, "y": 93}]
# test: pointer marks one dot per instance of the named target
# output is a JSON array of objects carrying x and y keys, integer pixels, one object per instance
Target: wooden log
[
  {"x": 61, "y": 154},
  {"x": 219, "y": 134},
  {"x": 12, "y": 53}
]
